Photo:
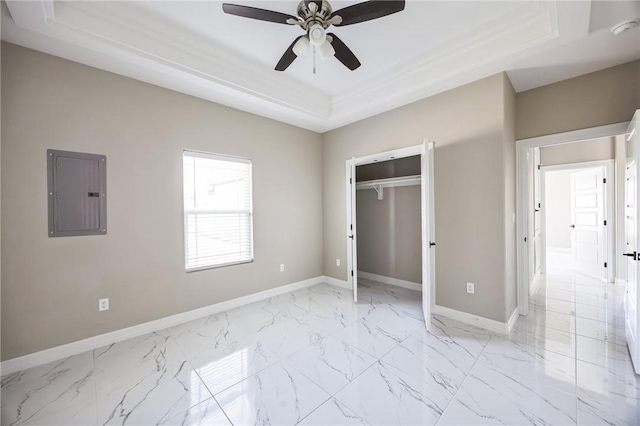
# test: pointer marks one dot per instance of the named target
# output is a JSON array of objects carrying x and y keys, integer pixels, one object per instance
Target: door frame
[
  {"x": 609, "y": 210},
  {"x": 522, "y": 194},
  {"x": 427, "y": 208}
]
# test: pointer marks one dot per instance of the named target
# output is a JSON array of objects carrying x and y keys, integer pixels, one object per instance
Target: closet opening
[{"x": 390, "y": 228}]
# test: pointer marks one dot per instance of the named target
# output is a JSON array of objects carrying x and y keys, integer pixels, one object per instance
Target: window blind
[{"x": 218, "y": 223}]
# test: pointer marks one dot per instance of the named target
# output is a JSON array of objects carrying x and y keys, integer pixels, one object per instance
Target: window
[{"x": 217, "y": 210}]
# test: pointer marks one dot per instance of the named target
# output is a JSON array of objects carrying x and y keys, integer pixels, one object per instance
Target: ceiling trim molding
[
  {"x": 182, "y": 51},
  {"x": 148, "y": 48}
]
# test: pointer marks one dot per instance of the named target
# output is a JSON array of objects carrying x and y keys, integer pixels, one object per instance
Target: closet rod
[{"x": 389, "y": 183}]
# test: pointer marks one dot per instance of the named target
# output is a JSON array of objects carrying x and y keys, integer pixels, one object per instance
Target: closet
[
  {"x": 390, "y": 227},
  {"x": 388, "y": 211}
]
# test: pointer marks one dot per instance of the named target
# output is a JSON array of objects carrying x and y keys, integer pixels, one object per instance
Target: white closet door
[
  {"x": 428, "y": 235},
  {"x": 352, "y": 250}
]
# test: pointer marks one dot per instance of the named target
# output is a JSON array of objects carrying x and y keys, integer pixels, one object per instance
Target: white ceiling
[{"x": 431, "y": 46}]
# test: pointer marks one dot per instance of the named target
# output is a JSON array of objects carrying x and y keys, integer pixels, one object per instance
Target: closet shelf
[{"x": 389, "y": 183}]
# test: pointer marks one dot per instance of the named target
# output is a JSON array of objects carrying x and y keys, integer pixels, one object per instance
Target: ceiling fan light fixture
[
  {"x": 317, "y": 35},
  {"x": 326, "y": 50},
  {"x": 301, "y": 48}
]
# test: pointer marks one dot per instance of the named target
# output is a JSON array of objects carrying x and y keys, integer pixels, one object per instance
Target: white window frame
[{"x": 220, "y": 157}]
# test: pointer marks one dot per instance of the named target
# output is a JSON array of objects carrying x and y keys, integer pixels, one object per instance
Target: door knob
[{"x": 633, "y": 255}]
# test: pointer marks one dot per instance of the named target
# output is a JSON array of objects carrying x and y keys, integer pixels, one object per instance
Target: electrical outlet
[
  {"x": 471, "y": 288},
  {"x": 282, "y": 267},
  {"x": 337, "y": 262},
  {"x": 103, "y": 304}
]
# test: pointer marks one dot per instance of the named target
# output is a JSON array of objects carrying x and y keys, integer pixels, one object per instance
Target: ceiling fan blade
[
  {"x": 367, "y": 11},
  {"x": 255, "y": 13},
  {"x": 288, "y": 57},
  {"x": 343, "y": 53}
]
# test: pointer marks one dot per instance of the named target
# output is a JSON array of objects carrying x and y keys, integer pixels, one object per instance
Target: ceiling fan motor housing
[{"x": 311, "y": 14}]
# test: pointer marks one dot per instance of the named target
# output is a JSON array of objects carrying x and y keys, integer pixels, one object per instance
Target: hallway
[{"x": 574, "y": 316}]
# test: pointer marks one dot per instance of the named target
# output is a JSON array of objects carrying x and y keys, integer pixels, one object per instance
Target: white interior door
[
  {"x": 589, "y": 242},
  {"x": 631, "y": 243},
  {"x": 428, "y": 232},
  {"x": 352, "y": 250}
]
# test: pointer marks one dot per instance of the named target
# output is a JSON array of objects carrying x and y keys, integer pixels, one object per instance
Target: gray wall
[
  {"x": 468, "y": 126},
  {"x": 406, "y": 166},
  {"x": 603, "y": 97},
  {"x": 51, "y": 286},
  {"x": 558, "y": 208},
  {"x": 578, "y": 152},
  {"x": 389, "y": 238}
]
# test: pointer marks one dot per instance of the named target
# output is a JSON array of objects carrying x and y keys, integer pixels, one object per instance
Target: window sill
[{"x": 222, "y": 265}]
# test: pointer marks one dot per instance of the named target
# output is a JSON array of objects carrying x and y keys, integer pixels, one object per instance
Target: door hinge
[
  {"x": 604, "y": 180},
  {"x": 350, "y": 181},
  {"x": 605, "y": 223},
  {"x": 351, "y": 227},
  {"x": 352, "y": 272},
  {"x": 538, "y": 166},
  {"x": 525, "y": 239},
  {"x": 605, "y": 264}
]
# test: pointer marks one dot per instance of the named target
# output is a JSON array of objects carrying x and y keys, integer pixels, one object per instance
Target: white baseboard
[
  {"x": 512, "y": 320},
  {"x": 336, "y": 282},
  {"x": 60, "y": 352},
  {"x": 391, "y": 281},
  {"x": 535, "y": 283},
  {"x": 475, "y": 320}
]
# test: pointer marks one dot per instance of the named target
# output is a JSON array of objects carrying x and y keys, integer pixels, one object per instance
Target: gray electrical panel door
[{"x": 77, "y": 192}]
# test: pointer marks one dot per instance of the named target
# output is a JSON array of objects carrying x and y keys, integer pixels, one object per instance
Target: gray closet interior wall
[{"x": 389, "y": 234}]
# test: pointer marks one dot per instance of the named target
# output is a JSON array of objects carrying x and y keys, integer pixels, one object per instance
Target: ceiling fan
[{"x": 314, "y": 17}]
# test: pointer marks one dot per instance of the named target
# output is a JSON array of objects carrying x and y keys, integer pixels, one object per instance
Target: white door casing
[
  {"x": 537, "y": 206},
  {"x": 352, "y": 249},
  {"x": 588, "y": 236},
  {"x": 631, "y": 242}
]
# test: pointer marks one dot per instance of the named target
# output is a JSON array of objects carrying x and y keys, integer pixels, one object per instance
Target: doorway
[
  {"x": 529, "y": 272},
  {"x": 425, "y": 179},
  {"x": 577, "y": 219}
]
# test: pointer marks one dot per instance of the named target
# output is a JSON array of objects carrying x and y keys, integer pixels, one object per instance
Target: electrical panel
[{"x": 77, "y": 193}]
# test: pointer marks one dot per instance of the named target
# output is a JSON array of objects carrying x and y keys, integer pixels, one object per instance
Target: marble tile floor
[{"x": 313, "y": 357}]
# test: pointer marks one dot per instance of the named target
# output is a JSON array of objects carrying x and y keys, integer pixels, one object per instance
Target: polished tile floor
[{"x": 313, "y": 357}]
